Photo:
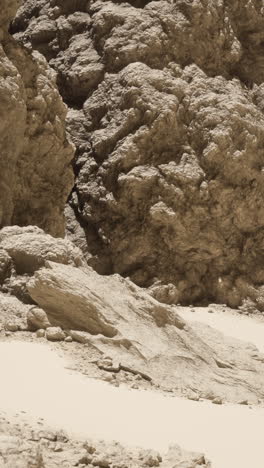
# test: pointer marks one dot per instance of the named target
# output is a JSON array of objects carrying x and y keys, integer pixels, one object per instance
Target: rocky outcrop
[
  {"x": 167, "y": 115},
  {"x": 23, "y": 445},
  {"x": 62, "y": 298},
  {"x": 23, "y": 250},
  {"x": 36, "y": 176}
]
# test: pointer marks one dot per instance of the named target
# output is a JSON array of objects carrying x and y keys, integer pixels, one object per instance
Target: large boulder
[
  {"x": 29, "y": 247},
  {"x": 35, "y": 172},
  {"x": 123, "y": 321}
]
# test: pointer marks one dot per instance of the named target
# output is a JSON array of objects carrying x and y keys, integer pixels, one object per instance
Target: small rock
[
  {"x": 47, "y": 435},
  {"x": 7, "y": 333},
  {"x": 37, "y": 318},
  {"x": 80, "y": 336},
  {"x": 86, "y": 459},
  {"x": 11, "y": 327},
  {"x": 152, "y": 459},
  {"x": 243, "y": 402},
  {"x": 58, "y": 448},
  {"x": 61, "y": 436},
  {"x": 193, "y": 396},
  {"x": 40, "y": 333},
  {"x": 55, "y": 334},
  {"x": 68, "y": 339},
  {"x": 217, "y": 401},
  {"x": 138, "y": 377},
  {"x": 108, "y": 378},
  {"x": 134, "y": 386},
  {"x": 89, "y": 448},
  {"x": 101, "y": 461}
]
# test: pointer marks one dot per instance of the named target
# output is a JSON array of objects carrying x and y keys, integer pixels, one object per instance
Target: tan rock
[{"x": 55, "y": 334}]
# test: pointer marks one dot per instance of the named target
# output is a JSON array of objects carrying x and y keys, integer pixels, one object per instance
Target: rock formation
[
  {"x": 36, "y": 175},
  {"x": 48, "y": 288},
  {"x": 166, "y": 111}
]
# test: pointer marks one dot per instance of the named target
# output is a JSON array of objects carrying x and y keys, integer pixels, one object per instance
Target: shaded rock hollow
[{"x": 166, "y": 111}]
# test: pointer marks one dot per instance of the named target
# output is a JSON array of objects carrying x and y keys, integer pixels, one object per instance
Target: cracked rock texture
[
  {"x": 166, "y": 110},
  {"x": 36, "y": 176}
]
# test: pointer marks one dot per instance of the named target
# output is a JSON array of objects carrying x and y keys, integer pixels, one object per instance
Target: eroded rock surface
[
  {"x": 23, "y": 446},
  {"x": 167, "y": 115},
  {"x": 36, "y": 176}
]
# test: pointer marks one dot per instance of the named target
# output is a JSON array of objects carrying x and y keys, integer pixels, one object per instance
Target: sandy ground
[
  {"x": 36, "y": 380},
  {"x": 229, "y": 322}
]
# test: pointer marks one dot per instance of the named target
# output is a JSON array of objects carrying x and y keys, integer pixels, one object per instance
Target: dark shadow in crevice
[{"x": 134, "y": 3}]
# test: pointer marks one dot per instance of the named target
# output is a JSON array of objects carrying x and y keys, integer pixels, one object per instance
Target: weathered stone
[
  {"x": 55, "y": 334},
  {"x": 35, "y": 173},
  {"x": 37, "y": 319},
  {"x": 29, "y": 247},
  {"x": 13, "y": 313},
  {"x": 40, "y": 333},
  {"x": 143, "y": 336}
]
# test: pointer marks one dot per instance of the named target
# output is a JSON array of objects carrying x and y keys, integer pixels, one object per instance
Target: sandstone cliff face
[
  {"x": 166, "y": 112},
  {"x": 36, "y": 176}
]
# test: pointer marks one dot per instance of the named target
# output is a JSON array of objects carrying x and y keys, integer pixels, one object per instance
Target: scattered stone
[
  {"x": 138, "y": 377},
  {"x": 89, "y": 447},
  {"x": 55, "y": 334},
  {"x": 108, "y": 378},
  {"x": 58, "y": 448},
  {"x": 61, "y": 436},
  {"x": 101, "y": 461},
  {"x": 152, "y": 459},
  {"x": 68, "y": 339},
  {"x": 48, "y": 435},
  {"x": 193, "y": 396},
  {"x": 37, "y": 319},
  {"x": 40, "y": 333},
  {"x": 86, "y": 459},
  {"x": 11, "y": 327},
  {"x": 217, "y": 401}
]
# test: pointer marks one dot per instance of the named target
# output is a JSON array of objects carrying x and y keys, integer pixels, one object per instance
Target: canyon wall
[
  {"x": 166, "y": 111},
  {"x": 35, "y": 155}
]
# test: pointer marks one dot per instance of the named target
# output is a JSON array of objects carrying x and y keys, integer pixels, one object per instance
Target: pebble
[
  {"x": 138, "y": 377},
  {"x": 217, "y": 401},
  {"x": 86, "y": 459},
  {"x": 11, "y": 327},
  {"x": 68, "y": 339},
  {"x": 108, "y": 378},
  {"x": 58, "y": 448},
  {"x": 55, "y": 334},
  {"x": 40, "y": 333},
  {"x": 101, "y": 461}
]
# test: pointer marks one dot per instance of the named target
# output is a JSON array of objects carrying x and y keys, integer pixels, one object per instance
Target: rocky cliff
[
  {"x": 35, "y": 163},
  {"x": 166, "y": 111}
]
